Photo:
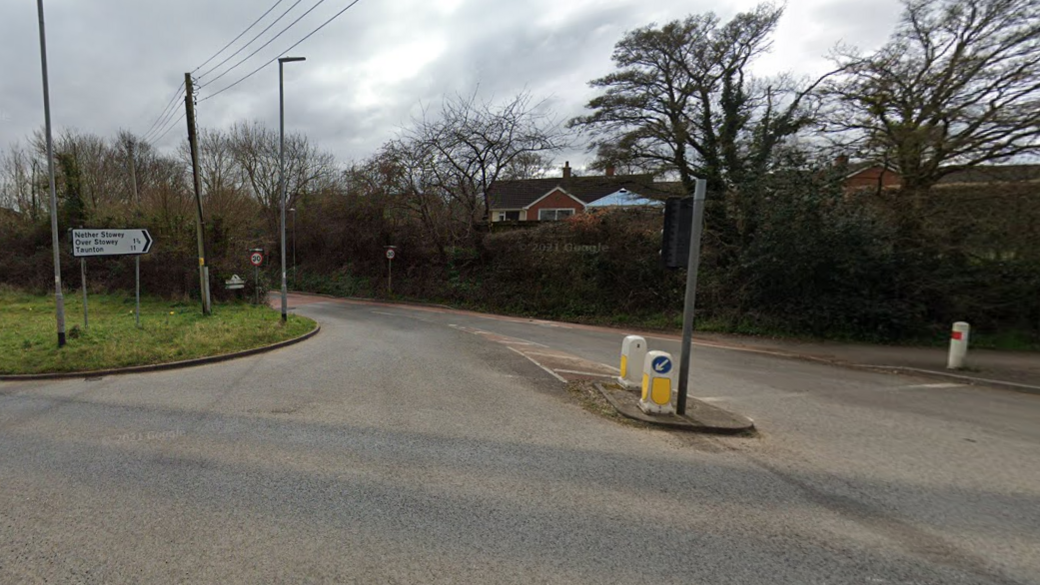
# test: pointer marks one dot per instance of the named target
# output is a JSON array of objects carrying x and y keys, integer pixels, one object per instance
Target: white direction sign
[{"x": 86, "y": 243}]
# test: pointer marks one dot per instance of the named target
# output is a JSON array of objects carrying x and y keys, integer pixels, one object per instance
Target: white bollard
[
  {"x": 658, "y": 383},
  {"x": 633, "y": 354},
  {"x": 958, "y": 345}
]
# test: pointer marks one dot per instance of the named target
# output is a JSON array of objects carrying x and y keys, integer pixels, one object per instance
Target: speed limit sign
[
  {"x": 256, "y": 258},
  {"x": 390, "y": 254}
]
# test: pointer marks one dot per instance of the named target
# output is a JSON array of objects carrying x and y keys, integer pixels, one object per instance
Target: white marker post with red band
[{"x": 958, "y": 345}]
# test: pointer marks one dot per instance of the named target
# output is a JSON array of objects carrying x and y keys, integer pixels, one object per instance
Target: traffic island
[
  {"x": 700, "y": 416},
  {"x": 171, "y": 335}
]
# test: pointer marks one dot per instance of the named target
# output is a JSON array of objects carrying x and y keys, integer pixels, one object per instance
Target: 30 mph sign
[
  {"x": 86, "y": 243},
  {"x": 256, "y": 258}
]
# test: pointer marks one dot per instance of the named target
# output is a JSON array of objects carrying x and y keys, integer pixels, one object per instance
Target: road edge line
[{"x": 533, "y": 361}]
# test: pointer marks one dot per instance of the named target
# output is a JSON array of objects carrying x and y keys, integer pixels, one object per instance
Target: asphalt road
[{"x": 408, "y": 445}]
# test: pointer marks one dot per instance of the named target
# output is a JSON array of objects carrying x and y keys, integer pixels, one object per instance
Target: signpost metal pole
[
  {"x": 59, "y": 298},
  {"x": 691, "y": 293},
  {"x": 256, "y": 258},
  {"x": 137, "y": 273},
  {"x": 391, "y": 253},
  {"x": 83, "y": 277}
]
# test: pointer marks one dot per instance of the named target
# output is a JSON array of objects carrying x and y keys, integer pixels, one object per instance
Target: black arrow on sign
[{"x": 147, "y": 241}]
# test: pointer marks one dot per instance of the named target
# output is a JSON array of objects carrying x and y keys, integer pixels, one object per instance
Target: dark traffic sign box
[{"x": 675, "y": 239}]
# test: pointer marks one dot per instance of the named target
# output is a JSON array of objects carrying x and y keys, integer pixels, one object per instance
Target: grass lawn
[{"x": 170, "y": 331}]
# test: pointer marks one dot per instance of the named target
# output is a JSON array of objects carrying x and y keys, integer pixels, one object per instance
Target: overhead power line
[
  {"x": 251, "y": 41},
  {"x": 165, "y": 119},
  {"x": 271, "y": 40},
  {"x": 170, "y": 127},
  {"x": 240, "y": 35},
  {"x": 255, "y": 71},
  {"x": 169, "y": 105},
  {"x": 166, "y": 113}
]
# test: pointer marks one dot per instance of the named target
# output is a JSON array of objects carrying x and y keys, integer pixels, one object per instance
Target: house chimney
[
  {"x": 567, "y": 170},
  {"x": 610, "y": 170}
]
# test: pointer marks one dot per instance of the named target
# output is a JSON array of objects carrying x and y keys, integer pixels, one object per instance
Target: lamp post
[
  {"x": 292, "y": 210},
  {"x": 281, "y": 169},
  {"x": 59, "y": 298}
]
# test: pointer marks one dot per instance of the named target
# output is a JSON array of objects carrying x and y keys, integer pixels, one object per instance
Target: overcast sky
[{"x": 116, "y": 63}]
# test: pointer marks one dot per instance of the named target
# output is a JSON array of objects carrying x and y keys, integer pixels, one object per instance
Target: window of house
[
  {"x": 554, "y": 214},
  {"x": 508, "y": 216}
]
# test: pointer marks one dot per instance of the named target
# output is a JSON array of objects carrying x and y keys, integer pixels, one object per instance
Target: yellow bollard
[
  {"x": 633, "y": 354},
  {"x": 658, "y": 382}
]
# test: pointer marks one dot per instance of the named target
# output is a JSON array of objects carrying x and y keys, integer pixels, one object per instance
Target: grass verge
[{"x": 170, "y": 331}]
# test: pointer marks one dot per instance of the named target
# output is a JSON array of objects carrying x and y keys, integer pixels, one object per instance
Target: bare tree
[
  {"x": 412, "y": 182},
  {"x": 129, "y": 147},
  {"x": 475, "y": 143},
  {"x": 255, "y": 149},
  {"x": 17, "y": 190},
  {"x": 957, "y": 85}
]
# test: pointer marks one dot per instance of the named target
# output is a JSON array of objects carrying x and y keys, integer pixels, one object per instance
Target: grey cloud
[{"x": 115, "y": 64}]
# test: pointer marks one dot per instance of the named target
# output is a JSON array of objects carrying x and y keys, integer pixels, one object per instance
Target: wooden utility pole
[{"x": 189, "y": 105}]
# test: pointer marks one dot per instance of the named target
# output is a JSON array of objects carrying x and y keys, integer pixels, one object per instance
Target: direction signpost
[{"x": 88, "y": 243}]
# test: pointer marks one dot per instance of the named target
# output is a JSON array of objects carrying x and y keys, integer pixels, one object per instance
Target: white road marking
[
  {"x": 596, "y": 374},
  {"x": 535, "y": 362},
  {"x": 939, "y": 385}
]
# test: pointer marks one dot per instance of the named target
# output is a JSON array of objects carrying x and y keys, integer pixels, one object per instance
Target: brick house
[
  {"x": 558, "y": 198},
  {"x": 872, "y": 176}
]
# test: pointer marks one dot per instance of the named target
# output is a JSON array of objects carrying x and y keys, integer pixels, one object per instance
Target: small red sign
[{"x": 957, "y": 335}]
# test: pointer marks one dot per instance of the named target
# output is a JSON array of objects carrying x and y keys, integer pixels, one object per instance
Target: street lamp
[
  {"x": 281, "y": 169},
  {"x": 59, "y": 298},
  {"x": 292, "y": 210}
]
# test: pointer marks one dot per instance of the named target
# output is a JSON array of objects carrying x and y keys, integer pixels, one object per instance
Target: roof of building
[
  {"x": 994, "y": 174},
  {"x": 623, "y": 198},
  {"x": 974, "y": 175},
  {"x": 521, "y": 193}
]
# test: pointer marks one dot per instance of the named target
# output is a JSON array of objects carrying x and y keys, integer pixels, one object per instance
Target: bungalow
[{"x": 558, "y": 198}]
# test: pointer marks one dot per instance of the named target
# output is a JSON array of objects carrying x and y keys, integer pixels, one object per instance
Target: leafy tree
[
  {"x": 957, "y": 85},
  {"x": 73, "y": 208},
  {"x": 683, "y": 100}
]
